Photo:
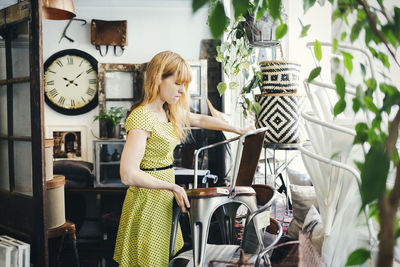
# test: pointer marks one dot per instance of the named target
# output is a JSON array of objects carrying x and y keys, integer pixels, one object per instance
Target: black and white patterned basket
[
  {"x": 280, "y": 77},
  {"x": 279, "y": 112}
]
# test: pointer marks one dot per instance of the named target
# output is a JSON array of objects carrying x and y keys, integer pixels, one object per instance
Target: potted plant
[
  {"x": 112, "y": 120},
  {"x": 253, "y": 27}
]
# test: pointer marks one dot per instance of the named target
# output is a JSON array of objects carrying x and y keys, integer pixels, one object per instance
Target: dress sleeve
[{"x": 139, "y": 118}]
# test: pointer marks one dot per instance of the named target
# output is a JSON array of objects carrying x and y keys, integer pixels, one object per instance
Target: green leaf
[
  {"x": 340, "y": 85},
  {"x": 355, "y": 31},
  {"x": 371, "y": 84},
  {"x": 314, "y": 73},
  {"x": 369, "y": 103},
  {"x": 240, "y": 7},
  {"x": 280, "y": 31},
  {"x": 274, "y": 8},
  {"x": 304, "y": 30},
  {"x": 357, "y": 104},
  {"x": 255, "y": 108},
  {"x": 233, "y": 85},
  {"x": 221, "y": 87},
  {"x": 339, "y": 107},
  {"x": 307, "y": 4},
  {"x": 396, "y": 29},
  {"x": 261, "y": 10},
  {"x": 361, "y": 133},
  {"x": 197, "y": 4},
  {"x": 336, "y": 14},
  {"x": 348, "y": 61},
  {"x": 374, "y": 174},
  {"x": 363, "y": 70},
  {"x": 343, "y": 36},
  {"x": 334, "y": 45},
  {"x": 218, "y": 21},
  {"x": 384, "y": 58},
  {"x": 358, "y": 257},
  {"x": 317, "y": 50}
]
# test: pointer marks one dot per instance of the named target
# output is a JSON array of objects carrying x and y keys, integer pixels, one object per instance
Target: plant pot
[
  {"x": 117, "y": 131},
  {"x": 279, "y": 112},
  {"x": 261, "y": 32},
  {"x": 280, "y": 77}
]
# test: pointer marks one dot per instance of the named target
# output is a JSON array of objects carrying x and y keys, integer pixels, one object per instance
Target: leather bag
[{"x": 108, "y": 33}]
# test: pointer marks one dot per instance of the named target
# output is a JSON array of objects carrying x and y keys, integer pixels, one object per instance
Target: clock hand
[{"x": 77, "y": 76}]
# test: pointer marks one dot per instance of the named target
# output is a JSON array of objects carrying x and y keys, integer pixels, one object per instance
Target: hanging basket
[
  {"x": 280, "y": 77},
  {"x": 279, "y": 112}
]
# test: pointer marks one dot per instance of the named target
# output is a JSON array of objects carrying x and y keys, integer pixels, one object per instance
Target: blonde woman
[{"x": 154, "y": 128}]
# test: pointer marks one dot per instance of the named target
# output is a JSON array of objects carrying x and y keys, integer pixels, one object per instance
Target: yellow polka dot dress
[{"x": 145, "y": 227}]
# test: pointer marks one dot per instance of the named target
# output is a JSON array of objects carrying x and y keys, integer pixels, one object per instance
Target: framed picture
[
  {"x": 70, "y": 142},
  {"x": 198, "y": 86}
]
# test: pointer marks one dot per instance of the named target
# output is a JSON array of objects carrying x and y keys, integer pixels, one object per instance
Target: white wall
[{"x": 153, "y": 26}]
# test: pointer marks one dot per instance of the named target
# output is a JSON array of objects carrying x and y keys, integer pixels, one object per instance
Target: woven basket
[
  {"x": 279, "y": 112},
  {"x": 280, "y": 76}
]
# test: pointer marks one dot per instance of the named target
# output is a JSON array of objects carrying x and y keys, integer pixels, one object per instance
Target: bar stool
[{"x": 67, "y": 229}]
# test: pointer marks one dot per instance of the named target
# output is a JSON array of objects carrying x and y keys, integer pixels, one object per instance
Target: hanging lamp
[{"x": 58, "y": 9}]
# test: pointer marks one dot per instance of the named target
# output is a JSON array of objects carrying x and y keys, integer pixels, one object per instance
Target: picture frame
[{"x": 70, "y": 142}]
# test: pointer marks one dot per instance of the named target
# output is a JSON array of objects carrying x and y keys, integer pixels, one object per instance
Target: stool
[{"x": 68, "y": 228}]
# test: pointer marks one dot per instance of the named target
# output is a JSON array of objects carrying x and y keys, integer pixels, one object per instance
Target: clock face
[{"x": 70, "y": 82}]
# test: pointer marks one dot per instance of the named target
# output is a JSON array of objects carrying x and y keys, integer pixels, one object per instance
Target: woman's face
[{"x": 170, "y": 90}]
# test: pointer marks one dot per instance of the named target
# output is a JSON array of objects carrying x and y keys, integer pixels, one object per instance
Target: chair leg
[
  {"x": 226, "y": 215},
  {"x": 200, "y": 215},
  {"x": 176, "y": 213}
]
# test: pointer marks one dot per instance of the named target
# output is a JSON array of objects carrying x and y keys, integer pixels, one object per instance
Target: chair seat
[{"x": 219, "y": 192}]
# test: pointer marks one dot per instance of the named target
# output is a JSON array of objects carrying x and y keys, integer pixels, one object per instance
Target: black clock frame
[{"x": 93, "y": 103}]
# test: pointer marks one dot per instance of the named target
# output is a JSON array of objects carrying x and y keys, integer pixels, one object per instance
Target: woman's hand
[
  {"x": 181, "y": 198},
  {"x": 241, "y": 131}
]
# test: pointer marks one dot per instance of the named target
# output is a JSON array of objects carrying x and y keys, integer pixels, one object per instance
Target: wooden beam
[{"x": 15, "y": 80}]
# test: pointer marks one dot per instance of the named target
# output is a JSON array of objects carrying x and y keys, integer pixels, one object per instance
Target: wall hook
[{"x": 64, "y": 34}]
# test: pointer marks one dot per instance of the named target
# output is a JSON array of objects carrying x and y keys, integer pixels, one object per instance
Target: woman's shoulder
[{"x": 139, "y": 117}]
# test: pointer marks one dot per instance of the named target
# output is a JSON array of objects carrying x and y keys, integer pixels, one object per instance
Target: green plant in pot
[
  {"x": 112, "y": 119},
  {"x": 235, "y": 53}
]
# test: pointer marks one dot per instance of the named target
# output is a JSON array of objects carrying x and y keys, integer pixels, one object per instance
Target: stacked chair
[{"x": 225, "y": 201}]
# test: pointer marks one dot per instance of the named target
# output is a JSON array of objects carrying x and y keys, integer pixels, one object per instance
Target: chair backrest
[
  {"x": 251, "y": 152},
  {"x": 247, "y": 154}
]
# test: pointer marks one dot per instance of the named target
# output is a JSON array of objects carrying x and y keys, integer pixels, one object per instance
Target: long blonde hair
[{"x": 162, "y": 66}]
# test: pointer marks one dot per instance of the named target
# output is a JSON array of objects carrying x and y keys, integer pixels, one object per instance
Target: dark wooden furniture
[{"x": 67, "y": 229}]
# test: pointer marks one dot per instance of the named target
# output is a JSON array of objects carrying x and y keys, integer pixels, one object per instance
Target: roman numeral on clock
[
  {"x": 50, "y": 83},
  {"x": 59, "y": 63},
  {"x": 72, "y": 103},
  {"x": 92, "y": 81},
  {"x": 91, "y": 91},
  {"x": 89, "y": 70},
  {"x": 61, "y": 100},
  {"x": 70, "y": 60},
  {"x": 53, "y": 93}
]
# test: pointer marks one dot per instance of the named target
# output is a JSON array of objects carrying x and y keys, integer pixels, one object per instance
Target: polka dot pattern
[{"x": 145, "y": 226}]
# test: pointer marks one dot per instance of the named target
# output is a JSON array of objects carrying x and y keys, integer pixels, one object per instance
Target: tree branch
[
  {"x": 393, "y": 134},
  {"x": 372, "y": 23}
]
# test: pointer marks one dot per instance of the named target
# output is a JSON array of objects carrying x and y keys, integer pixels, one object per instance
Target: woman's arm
[
  {"x": 214, "y": 123},
  {"x": 132, "y": 175}
]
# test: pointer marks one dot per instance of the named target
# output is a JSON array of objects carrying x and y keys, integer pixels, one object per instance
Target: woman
[{"x": 154, "y": 128}]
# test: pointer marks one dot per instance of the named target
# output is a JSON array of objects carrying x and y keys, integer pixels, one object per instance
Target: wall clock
[{"x": 70, "y": 82}]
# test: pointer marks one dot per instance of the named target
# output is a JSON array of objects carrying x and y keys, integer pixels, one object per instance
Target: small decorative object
[
  {"x": 279, "y": 76},
  {"x": 116, "y": 156},
  {"x": 104, "y": 32},
  {"x": 112, "y": 118},
  {"x": 104, "y": 155},
  {"x": 70, "y": 82}
]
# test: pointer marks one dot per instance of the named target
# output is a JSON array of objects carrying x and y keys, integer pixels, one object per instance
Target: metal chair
[{"x": 204, "y": 201}]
